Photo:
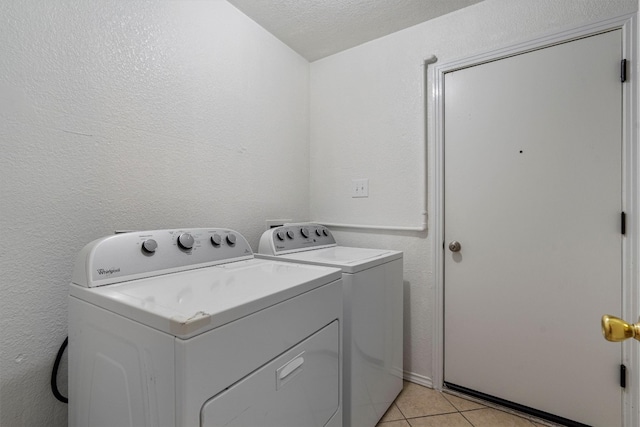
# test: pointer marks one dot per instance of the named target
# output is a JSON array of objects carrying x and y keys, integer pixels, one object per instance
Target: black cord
[{"x": 54, "y": 373}]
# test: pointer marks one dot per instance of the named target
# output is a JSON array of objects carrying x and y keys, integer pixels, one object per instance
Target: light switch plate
[{"x": 360, "y": 187}]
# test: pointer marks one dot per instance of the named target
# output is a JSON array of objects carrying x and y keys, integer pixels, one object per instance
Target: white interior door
[{"x": 533, "y": 173}]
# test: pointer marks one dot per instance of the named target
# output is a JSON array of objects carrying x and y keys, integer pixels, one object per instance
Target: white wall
[
  {"x": 130, "y": 115},
  {"x": 367, "y": 121}
]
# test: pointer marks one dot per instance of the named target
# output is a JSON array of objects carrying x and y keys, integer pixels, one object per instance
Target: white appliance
[
  {"x": 373, "y": 302},
  {"x": 186, "y": 328}
]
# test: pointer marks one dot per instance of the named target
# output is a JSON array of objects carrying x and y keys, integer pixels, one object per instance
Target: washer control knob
[
  {"x": 290, "y": 234},
  {"x": 318, "y": 232},
  {"x": 185, "y": 241},
  {"x": 304, "y": 232},
  {"x": 325, "y": 233},
  {"x": 149, "y": 246},
  {"x": 280, "y": 235},
  {"x": 216, "y": 240},
  {"x": 231, "y": 239}
]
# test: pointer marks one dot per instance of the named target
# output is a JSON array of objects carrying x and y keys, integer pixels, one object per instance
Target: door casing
[{"x": 630, "y": 189}]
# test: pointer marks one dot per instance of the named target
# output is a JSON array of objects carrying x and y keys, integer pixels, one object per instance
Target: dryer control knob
[
  {"x": 149, "y": 246},
  {"x": 290, "y": 234},
  {"x": 216, "y": 240},
  {"x": 185, "y": 241},
  {"x": 304, "y": 232},
  {"x": 318, "y": 232},
  {"x": 231, "y": 239},
  {"x": 280, "y": 235},
  {"x": 326, "y": 234}
]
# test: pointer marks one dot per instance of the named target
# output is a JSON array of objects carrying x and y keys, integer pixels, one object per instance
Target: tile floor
[{"x": 418, "y": 406}]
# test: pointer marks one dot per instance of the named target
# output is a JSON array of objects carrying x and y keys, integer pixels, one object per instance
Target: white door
[{"x": 533, "y": 195}]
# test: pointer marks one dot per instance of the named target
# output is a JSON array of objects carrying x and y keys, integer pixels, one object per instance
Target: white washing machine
[
  {"x": 373, "y": 322},
  {"x": 186, "y": 328}
]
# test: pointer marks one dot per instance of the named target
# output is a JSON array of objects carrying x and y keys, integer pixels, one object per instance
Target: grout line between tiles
[
  {"x": 400, "y": 410},
  {"x": 467, "y": 419},
  {"x": 432, "y": 415}
]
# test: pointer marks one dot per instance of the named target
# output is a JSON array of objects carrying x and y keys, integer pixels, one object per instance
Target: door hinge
[
  {"x": 623, "y": 70},
  {"x": 623, "y": 376},
  {"x": 623, "y": 223}
]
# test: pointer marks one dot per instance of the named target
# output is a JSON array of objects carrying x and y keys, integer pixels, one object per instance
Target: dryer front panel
[
  {"x": 301, "y": 387},
  {"x": 214, "y": 362}
]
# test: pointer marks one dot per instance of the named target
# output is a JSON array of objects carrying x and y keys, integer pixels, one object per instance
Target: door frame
[{"x": 630, "y": 189}]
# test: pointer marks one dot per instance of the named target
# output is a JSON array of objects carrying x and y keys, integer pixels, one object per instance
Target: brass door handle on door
[
  {"x": 615, "y": 329},
  {"x": 455, "y": 246}
]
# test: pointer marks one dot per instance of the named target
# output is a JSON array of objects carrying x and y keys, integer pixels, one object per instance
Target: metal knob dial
[
  {"x": 185, "y": 241},
  {"x": 149, "y": 246},
  {"x": 318, "y": 232},
  {"x": 304, "y": 232},
  {"x": 280, "y": 235},
  {"x": 231, "y": 239},
  {"x": 290, "y": 234},
  {"x": 455, "y": 246},
  {"x": 616, "y": 330}
]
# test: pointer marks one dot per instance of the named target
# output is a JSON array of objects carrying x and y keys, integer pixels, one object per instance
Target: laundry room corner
[
  {"x": 369, "y": 106},
  {"x": 150, "y": 115},
  {"x": 129, "y": 116}
]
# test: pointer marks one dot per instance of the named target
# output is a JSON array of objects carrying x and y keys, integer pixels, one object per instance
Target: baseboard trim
[{"x": 418, "y": 379}]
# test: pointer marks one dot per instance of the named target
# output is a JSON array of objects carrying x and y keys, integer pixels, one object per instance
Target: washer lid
[
  {"x": 188, "y": 303},
  {"x": 350, "y": 260}
]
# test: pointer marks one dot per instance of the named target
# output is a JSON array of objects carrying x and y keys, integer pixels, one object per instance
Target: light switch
[{"x": 360, "y": 187}]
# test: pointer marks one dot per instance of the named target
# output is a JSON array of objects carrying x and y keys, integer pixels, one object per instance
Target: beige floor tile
[
  {"x": 493, "y": 418},
  {"x": 392, "y": 414},
  {"x": 417, "y": 401},
  {"x": 447, "y": 420},
  {"x": 399, "y": 423},
  {"x": 462, "y": 404}
]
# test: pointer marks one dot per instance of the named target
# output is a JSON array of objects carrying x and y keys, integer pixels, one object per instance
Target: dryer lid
[
  {"x": 350, "y": 260},
  {"x": 188, "y": 303}
]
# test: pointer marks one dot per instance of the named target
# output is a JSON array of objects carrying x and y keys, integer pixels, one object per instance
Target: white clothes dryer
[
  {"x": 373, "y": 307},
  {"x": 186, "y": 328}
]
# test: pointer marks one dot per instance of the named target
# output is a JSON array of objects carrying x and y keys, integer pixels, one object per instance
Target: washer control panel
[
  {"x": 136, "y": 255},
  {"x": 294, "y": 238}
]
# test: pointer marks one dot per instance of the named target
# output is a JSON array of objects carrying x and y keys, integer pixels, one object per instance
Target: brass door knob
[{"x": 615, "y": 329}]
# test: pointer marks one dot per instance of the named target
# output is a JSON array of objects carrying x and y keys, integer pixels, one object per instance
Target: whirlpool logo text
[{"x": 103, "y": 271}]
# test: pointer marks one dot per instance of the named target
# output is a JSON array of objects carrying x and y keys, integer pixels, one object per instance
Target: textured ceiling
[{"x": 319, "y": 28}]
